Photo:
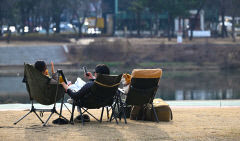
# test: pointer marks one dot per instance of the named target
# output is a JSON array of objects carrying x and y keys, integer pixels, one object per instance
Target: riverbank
[
  {"x": 199, "y": 124},
  {"x": 199, "y": 54},
  {"x": 204, "y": 53}
]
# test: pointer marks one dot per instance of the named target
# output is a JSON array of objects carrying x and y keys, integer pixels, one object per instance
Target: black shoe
[
  {"x": 60, "y": 121},
  {"x": 86, "y": 118}
]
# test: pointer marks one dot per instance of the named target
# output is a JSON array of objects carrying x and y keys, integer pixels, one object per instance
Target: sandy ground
[{"x": 188, "y": 124}]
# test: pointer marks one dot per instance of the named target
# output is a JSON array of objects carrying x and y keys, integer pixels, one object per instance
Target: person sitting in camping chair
[
  {"x": 42, "y": 67},
  {"x": 86, "y": 89}
]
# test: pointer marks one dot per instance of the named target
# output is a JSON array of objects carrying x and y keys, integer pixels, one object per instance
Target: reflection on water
[
  {"x": 206, "y": 85},
  {"x": 176, "y": 85}
]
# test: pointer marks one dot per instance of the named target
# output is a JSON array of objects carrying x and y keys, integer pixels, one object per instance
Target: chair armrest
[{"x": 121, "y": 91}]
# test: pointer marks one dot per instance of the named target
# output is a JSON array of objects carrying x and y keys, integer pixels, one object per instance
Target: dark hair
[
  {"x": 102, "y": 69},
  {"x": 40, "y": 65}
]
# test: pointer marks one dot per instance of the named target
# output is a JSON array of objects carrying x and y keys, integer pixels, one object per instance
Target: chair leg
[
  {"x": 113, "y": 114},
  {"x": 38, "y": 116},
  {"x": 107, "y": 113},
  {"x": 85, "y": 110},
  {"x": 119, "y": 110},
  {"x": 115, "y": 118},
  {"x": 23, "y": 117},
  {"x": 155, "y": 114},
  {"x": 44, "y": 124},
  {"x": 123, "y": 110},
  {"x": 71, "y": 119},
  {"x": 113, "y": 108},
  {"x": 81, "y": 116},
  {"x": 102, "y": 114},
  {"x": 67, "y": 108},
  {"x": 32, "y": 110}
]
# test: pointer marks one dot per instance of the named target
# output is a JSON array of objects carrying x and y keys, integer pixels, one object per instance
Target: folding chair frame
[
  {"x": 122, "y": 106},
  {"x": 53, "y": 110},
  {"x": 86, "y": 110}
]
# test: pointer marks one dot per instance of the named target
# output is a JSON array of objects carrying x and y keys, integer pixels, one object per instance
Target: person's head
[
  {"x": 102, "y": 69},
  {"x": 40, "y": 66}
]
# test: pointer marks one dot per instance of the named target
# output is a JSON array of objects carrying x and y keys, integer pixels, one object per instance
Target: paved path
[{"x": 19, "y": 55}]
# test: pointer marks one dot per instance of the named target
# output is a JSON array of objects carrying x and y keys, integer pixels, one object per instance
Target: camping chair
[
  {"x": 102, "y": 95},
  {"x": 40, "y": 90},
  {"x": 142, "y": 90}
]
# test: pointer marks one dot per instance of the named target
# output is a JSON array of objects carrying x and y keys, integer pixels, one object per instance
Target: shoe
[
  {"x": 78, "y": 119},
  {"x": 60, "y": 121},
  {"x": 70, "y": 101}
]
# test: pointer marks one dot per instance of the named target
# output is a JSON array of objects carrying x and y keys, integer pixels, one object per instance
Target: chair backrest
[
  {"x": 143, "y": 86},
  {"x": 39, "y": 88},
  {"x": 102, "y": 91}
]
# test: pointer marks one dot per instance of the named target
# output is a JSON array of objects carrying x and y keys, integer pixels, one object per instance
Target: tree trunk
[
  {"x": 193, "y": 24},
  {"x": 138, "y": 23},
  {"x": 223, "y": 24},
  {"x": 152, "y": 27},
  {"x": 157, "y": 25},
  {"x": 0, "y": 29},
  {"x": 57, "y": 21},
  {"x": 8, "y": 34},
  {"x": 233, "y": 28},
  {"x": 80, "y": 35},
  {"x": 80, "y": 30},
  {"x": 183, "y": 29},
  {"x": 47, "y": 29},
  {"x": 172, "y": 27},
  {"x": 169, "y": 28}
]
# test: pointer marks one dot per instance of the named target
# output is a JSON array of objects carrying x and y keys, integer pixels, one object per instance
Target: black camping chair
[
  {"x": 142, "y": 90},
  {"x": 41, "y": 90},
  {"x": 102, "y": 95}
]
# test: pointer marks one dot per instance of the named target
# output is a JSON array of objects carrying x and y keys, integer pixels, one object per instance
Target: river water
[{"x": 174, "y": 85}]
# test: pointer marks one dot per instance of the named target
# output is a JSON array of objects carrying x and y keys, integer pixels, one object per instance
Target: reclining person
[
  {"x": 86, "y": 88},
  {"x": 42, "y": 67}
]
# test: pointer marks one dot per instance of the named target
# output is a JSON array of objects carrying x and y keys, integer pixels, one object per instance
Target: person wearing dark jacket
[{"x": 86, "y": 89}]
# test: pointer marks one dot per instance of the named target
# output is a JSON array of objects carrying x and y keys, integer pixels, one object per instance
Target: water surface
[{"x": 174, "y": 85}]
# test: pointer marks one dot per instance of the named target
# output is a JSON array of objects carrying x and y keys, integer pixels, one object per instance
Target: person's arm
[
  {"x": 65, "y": 86},
  {"x": 52, "y": 67}
]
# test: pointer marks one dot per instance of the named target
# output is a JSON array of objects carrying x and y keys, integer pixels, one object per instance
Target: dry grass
[{"x": 188, "y": 124}]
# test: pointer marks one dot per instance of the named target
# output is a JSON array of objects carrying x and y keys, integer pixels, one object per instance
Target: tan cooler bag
[{"x": 164, "y": 112}]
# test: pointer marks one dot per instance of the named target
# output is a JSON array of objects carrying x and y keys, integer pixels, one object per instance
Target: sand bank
[{"x": 188, "y": 124}]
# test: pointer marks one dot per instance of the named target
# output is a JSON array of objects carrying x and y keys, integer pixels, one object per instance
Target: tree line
[
  {"x": 31, "y": 13},
  {"x": 180, "y": 9}
]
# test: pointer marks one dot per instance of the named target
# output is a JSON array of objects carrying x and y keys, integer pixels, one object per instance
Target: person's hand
[
  {"x": 52, "y": 66},
  {"x": 89, "y": 75}
]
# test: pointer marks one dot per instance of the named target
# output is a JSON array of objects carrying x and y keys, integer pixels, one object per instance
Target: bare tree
[
  {"x": 234, "y": 11},
  {"x": 223, "y": 12},
  {"x": 79, "y": 10},
  {"x": 57, "y": 9},
  {"x": 193, "y": 24},
  {"x": 46, "y": 14}
]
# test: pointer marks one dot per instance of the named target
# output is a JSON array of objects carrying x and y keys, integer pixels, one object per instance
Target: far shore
[{"x": 29, "y": 43}]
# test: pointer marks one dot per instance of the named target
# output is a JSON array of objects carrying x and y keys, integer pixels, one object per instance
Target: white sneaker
[{"x": 70, "y": 101}]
